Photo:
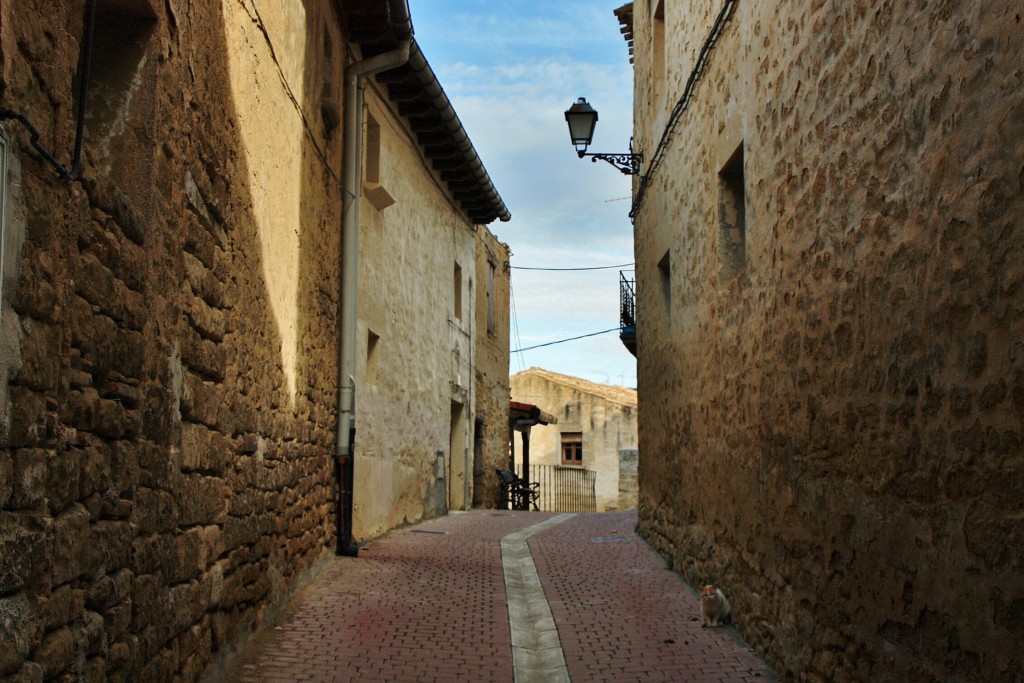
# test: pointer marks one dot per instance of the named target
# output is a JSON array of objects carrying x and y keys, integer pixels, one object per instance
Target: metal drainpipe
[
  {"x": 467, "y": 468},
  {"x": 352, "y": 180}
]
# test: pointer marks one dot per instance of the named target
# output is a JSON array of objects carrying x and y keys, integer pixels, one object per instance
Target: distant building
[{"x": 596, "y": 430}]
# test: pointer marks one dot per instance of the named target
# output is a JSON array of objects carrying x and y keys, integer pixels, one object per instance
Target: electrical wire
[
  {"x": 257, "y": 20},
  {"x": 623, "y": 265},
  {"x": 515, "y": 323},
  {"x": 562, "y": 341},
  {"x": 683, "y": 104}
]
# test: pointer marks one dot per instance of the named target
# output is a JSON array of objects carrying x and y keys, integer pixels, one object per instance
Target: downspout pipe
[{"x": 351, "y": 182}]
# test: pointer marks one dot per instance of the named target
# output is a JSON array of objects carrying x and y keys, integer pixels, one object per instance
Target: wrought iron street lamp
[{"x": 582, "y": 119}]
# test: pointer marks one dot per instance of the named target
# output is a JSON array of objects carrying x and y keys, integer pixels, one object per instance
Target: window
[
  {"x": 329, "y": 113},
  {"x": 371, "y": 172},
  {"x": 665, "y": 275},
  {"x": 572, "y": 448},
  {"x": 490, "y": 296},
  {"x": 732, "y": 214},
  {"x": 457, "y": 292},
  {"x": 121, "y": 94},
  {"x": 379, "y": 197},
  {"x": 658, "y": 43},
  {"x": 372, "y": 341}
]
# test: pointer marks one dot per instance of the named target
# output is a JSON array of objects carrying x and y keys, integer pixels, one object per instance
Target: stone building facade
[
  {"x": 596, "y": 429},
  {"x": 830, "y": 282},
  {"x": 169, "y": 318},
  {"x": 490, "y": 363}
]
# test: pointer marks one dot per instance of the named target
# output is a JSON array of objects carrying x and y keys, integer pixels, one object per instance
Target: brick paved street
[{"x": 428, "y": 603}]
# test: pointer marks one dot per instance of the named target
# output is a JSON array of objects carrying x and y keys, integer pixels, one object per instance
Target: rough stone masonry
[{"x": 832, "y": 388}]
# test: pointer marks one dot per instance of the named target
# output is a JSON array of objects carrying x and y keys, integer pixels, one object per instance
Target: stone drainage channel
[{"x": 536, "y": 650}]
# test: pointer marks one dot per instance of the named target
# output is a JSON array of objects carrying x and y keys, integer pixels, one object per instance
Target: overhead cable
[
  {"x": 684, "y": 102},
  {"x": 621, "y": 265},
  {"x": 562, "y": 341}
]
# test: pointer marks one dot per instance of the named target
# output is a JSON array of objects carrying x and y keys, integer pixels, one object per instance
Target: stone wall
[
  {"x": 168, "y": 414},
  {"x": 491, "y": 433},
  {"x": 833, "y": 388},
  {"x": 629, "y": 464}
]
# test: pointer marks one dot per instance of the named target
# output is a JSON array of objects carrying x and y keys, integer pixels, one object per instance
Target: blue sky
[{"x": 511, "y": 68}]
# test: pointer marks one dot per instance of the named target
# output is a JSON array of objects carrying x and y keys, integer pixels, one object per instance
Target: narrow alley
[{"x": 458, "y": 599}]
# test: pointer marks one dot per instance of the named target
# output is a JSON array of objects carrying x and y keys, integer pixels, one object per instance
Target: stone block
[
  {"x": 94, "y": 671},
  {"x": 159, "y": 415},
  {"x": 64, "y": 469},
  {"x": 240, "y": 531},
  {"x": 115, "y": 421},
  {"x": 63, "y": 606},
  {"x": 155, "y": 466},
  {"x": 16, "y": 632},
  {"x": 201, "y": 500},
  {"x": 103, "y": 344},
  {"x": 41, "y": 356},
  {"x": 209, "y": 322},
  {"x": 29, "y": 477},
  {"x": 155, "y": 511},
  {"x": 36, "y": 297},
  {"x": 203, "y": 282},
  {"x": 189, "y": 555},
  {"x": 30, "y": 672},
  {"x": 75, "y": 551},
  {"x": 25, "y": 550},
  {"x": 56, "y": 653},
  {"x": 6, "y": 479},
  {"x": 28, "y": 418},
  {"x": 188, "y": 602},
  {"x": 151, "y": 605},
  {"x": 94, "y": 474},
  {"x": 117, "y": 619},
  {"x": 201, "y": 401},
  {"x": 204, "y": 357},
  {"x": 203, "y": 450},
  {"x": 89, "y": 634}
]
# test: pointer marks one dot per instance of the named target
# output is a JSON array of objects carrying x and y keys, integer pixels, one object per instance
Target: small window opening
[
  {"x": 491, "y": 268},
  {"x": 732, "y": 215},
  {"x": 329, "y": 113},
  {"x": 457, "y": 292},
  {"x": 120, "y": 102},
  {"x": 572, "y": 448},
  {"x": 658, "y": 45},
  {"x": 665, "y": 276},
  {"x": 371, "y": 171},
  {"x": 372, "y": 342}
]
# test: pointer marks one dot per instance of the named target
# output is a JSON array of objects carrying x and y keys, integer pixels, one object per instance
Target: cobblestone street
[{"x": 499, "y": 596}]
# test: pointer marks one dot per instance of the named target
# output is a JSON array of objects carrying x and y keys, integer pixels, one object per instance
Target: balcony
[{"x": 627, "y": 309}]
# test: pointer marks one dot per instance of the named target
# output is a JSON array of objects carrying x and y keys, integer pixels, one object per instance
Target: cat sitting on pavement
[{"x": 714, "y": 608}]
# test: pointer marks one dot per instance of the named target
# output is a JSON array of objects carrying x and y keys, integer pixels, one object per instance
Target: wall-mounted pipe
[{"x": 351, "y": 182}]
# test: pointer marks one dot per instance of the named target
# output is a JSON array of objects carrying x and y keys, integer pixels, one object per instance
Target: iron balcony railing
[
  {"x": 564, "y": 489},
  {"x": 627, "y": 309}
]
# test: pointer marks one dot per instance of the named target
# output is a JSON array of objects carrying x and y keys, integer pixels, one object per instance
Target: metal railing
[
  {"x": 564, "y": 489},
  {"x": 627, "y": 299}
]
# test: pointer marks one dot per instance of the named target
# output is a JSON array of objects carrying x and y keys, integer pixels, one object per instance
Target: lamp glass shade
[{"x": 582, "y": 118}]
